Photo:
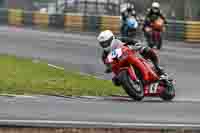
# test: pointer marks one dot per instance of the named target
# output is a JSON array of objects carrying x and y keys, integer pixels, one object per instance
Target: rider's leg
[
  {"x": 150, "y": 54},
  {"x": 123, "y": 31},
  {"x": 160, "y": 41},
  {"x": 103, "y": 58}
]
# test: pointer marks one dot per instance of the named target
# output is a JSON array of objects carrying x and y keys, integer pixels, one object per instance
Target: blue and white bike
[{"x": 130, "y": 27}]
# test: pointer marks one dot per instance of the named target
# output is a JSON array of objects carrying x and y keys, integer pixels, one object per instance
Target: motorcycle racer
[
  {"x": 126, "y": 12},
  {"x": 108, "y": 42},
  {"x": 151, "y": 15}
]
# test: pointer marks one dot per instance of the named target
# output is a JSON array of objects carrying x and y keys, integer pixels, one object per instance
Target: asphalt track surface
[{"x": 81, "y": 52}]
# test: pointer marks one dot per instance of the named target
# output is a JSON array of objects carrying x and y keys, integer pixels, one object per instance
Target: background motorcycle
[
  {"x": 157, "y": 27},
  {"x": 130, "y": 27},
  {"x": 126, "y": 67}
]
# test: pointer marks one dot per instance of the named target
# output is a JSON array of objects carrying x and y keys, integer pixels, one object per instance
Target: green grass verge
[{"x": 23, "y": 76}]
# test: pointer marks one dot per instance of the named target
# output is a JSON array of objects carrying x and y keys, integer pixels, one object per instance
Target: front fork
[
  {"x": 132, "y": 73},
  {"x": 130, "y": 70}
]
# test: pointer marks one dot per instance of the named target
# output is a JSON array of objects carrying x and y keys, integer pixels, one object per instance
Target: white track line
[
  {"x": 95, "y": 124},
  {"x": 57, "y": 67}
]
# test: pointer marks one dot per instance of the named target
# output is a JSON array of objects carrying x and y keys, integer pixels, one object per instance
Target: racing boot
[
  {"x": 108, "y": 69},
  {"x": 161, "y": 72}
]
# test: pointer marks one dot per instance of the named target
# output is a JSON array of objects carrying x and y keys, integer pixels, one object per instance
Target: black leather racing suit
[{"x": 150, "y": 17}]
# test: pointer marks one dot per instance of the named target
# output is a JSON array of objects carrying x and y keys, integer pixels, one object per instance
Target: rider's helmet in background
[
  {"x": 130, "y": 7},
  {"x": 132, "y": 23},
  {"x": 126, "y": 7},
  {"x": 155, "y": 7}
]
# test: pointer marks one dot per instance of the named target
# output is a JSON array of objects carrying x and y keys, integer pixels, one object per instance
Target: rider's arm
[
  {"x": 147, "y": 19},
  {"x": 104, "y": 60},
  {"x": 123, "y": 16},
  {"x": 163, "y": 17},
  {"x": 148, "y": 15},
  {"x": 104, "y": 56},
  {"x": 127, "y": 40},
  {"x": 134, "y": 45}
]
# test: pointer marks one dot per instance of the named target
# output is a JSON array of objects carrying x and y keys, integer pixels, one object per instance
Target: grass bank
[{"x": 23, "y": 76}]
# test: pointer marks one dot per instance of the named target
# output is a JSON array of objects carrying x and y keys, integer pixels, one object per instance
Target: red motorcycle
[{"x": 137, "y": 75}]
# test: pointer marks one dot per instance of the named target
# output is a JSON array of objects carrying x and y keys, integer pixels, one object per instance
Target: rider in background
[
  {"x": 108, "y": 41},
  {"x": 152, "y": 14},
  {"x": 126, "y": 11}
]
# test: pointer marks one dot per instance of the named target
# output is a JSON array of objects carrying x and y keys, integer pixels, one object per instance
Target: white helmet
[
  {"x": 105, "y": 38},
  {"x": 155, "y": 5},
  {"x": 126, "y": 6}
]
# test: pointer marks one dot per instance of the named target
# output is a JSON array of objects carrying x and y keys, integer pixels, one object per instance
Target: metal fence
[{"x": 173, "y": 9}]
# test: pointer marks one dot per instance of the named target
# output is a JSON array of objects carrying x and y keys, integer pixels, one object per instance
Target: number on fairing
[
  {"x": 116, "y": 53},
  {"x": 153, "y": 88}
]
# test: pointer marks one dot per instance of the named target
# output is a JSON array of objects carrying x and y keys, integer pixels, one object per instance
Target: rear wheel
[
  {"x": 159, "y": 43},
  {"x": 156, "y": 40},
  {"x": 169, "y": 92},
  {"x": 133, "y": 88}
]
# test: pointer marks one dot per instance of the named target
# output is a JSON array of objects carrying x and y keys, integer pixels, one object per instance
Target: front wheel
[
  {"x": 169, "y": 92},
  {"x": 157, "y": 39},
  {"x": 159, "y": 43},
  {"x": 133, "y": 88}
]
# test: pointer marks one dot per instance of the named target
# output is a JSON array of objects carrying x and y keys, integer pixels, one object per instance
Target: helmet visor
[
  {"x": 155, "y": 10},
  {"x": 106, "y": 43}
]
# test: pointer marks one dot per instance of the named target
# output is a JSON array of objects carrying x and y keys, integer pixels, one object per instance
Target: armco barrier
[
  {"x": 192, "y": 33},
  {"x": 15, "y": 17},
  {"x": 74, "y": 23},
  {"x": 91, "y": 130},
  {"x": 41, "y": 20},
  {"x": 110, "y": 22}
]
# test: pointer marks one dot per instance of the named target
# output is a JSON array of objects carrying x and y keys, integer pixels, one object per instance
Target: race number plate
[{"x": 153, "y": 88}]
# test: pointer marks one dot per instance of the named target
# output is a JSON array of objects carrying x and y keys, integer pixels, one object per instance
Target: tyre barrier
[
  {"x": 92, "y": 23},
  {"x": 110, "y": 23},
  {"x": 192, "y": 33},
  {"x": 56, "y": 21},
  {"x": 40, "y": 20},
  {"x": 3, "y": 16},
  {"x": 15, "y": 17},
  {"x": 74, "y": 23},
  {"x": 175, "y": 30},
  {"x": 28, "y": 18}
]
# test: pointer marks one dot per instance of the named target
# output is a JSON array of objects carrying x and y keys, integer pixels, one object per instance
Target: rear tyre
[
  {"x": 169, "y": 92},
  {"x": 133, "y": 88}
]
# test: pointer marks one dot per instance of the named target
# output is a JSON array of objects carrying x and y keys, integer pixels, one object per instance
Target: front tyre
[
  {"x": 169, "y": 92},
  {"x": 159, "y": 43},
  {"x": 133, "y": 88}
]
